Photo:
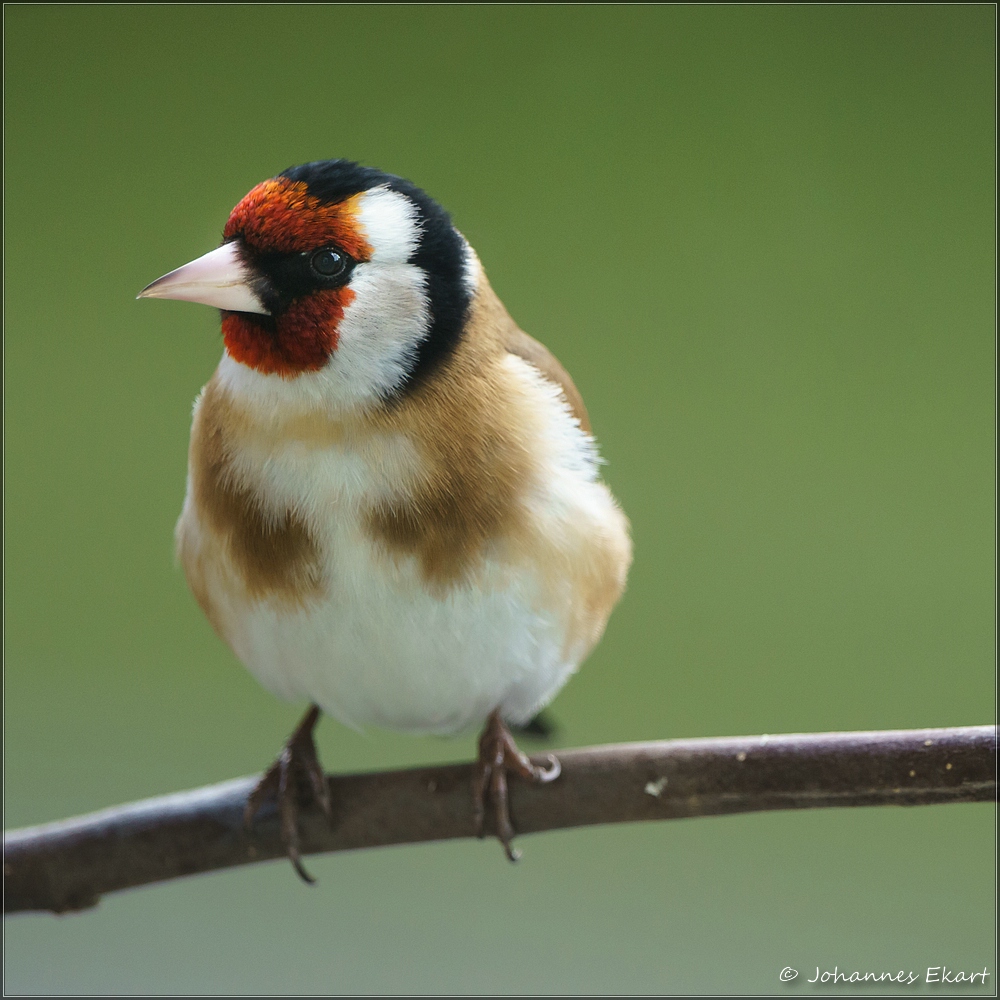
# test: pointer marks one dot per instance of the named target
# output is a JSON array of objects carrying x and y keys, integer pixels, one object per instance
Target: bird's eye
[{"x": 328, "y": 263}]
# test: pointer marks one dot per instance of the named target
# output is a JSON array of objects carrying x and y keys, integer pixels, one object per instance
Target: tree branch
[{"x": 70, "y": 864}]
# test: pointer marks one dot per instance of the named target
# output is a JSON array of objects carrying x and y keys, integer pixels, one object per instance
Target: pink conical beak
[{"x": 219, "y": 279}]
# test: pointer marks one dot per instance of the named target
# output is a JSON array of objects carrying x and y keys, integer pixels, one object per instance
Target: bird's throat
[{"x": 302, "y": 339}]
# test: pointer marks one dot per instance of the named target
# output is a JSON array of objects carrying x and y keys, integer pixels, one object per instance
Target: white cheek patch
[
  {"x": 381, "y": 329},
  {"x": 389, "y": 221}
]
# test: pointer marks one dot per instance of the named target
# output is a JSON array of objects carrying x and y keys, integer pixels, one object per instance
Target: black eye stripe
[{"x": 282, "y": 278}]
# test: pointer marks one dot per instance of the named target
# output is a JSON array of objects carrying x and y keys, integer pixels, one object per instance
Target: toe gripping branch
[
  {"x": 281, "y": 780},
  {"x": 499, "y": 754}
]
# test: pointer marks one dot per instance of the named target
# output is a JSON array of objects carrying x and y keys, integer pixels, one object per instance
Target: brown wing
[{"x": 519, "y": 343}]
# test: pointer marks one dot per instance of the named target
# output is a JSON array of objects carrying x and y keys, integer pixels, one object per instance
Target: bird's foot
[
  {"x": 281, "y": 780},
  {"x": 498, "y": 754}
]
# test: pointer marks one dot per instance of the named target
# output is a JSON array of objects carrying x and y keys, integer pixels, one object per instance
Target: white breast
[
  {"x": 379, "y": 647},
  {"x": 383, "y": 651}
]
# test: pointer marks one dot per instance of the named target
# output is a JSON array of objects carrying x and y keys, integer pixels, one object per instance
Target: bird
[{"x": 393, "y": 507}]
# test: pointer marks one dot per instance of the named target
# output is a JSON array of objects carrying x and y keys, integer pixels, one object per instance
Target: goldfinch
[{"x": 393, "y": 507}]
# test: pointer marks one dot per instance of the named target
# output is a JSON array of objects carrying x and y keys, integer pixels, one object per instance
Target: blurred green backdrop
[{"x": 761, "y": 239}]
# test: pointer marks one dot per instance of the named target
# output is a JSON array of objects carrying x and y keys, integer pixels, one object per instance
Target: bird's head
[{"x": 336, "y": 282}]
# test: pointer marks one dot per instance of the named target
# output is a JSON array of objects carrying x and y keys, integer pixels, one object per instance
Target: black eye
[{"x": 328, "y": 263}]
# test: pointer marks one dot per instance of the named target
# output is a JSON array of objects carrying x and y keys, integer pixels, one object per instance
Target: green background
[{"x": 761, "y": 239}]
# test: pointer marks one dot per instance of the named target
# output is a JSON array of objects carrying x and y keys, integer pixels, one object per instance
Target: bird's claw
[
  {"x": 499, "y": 754},
  {"x": 298, "y": 757}
]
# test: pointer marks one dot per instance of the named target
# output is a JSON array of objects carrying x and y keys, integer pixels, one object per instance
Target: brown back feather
[{"x": 520, "y": 344}]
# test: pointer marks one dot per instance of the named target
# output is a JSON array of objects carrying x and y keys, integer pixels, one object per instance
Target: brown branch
[{"x": 69, "y": 865}]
